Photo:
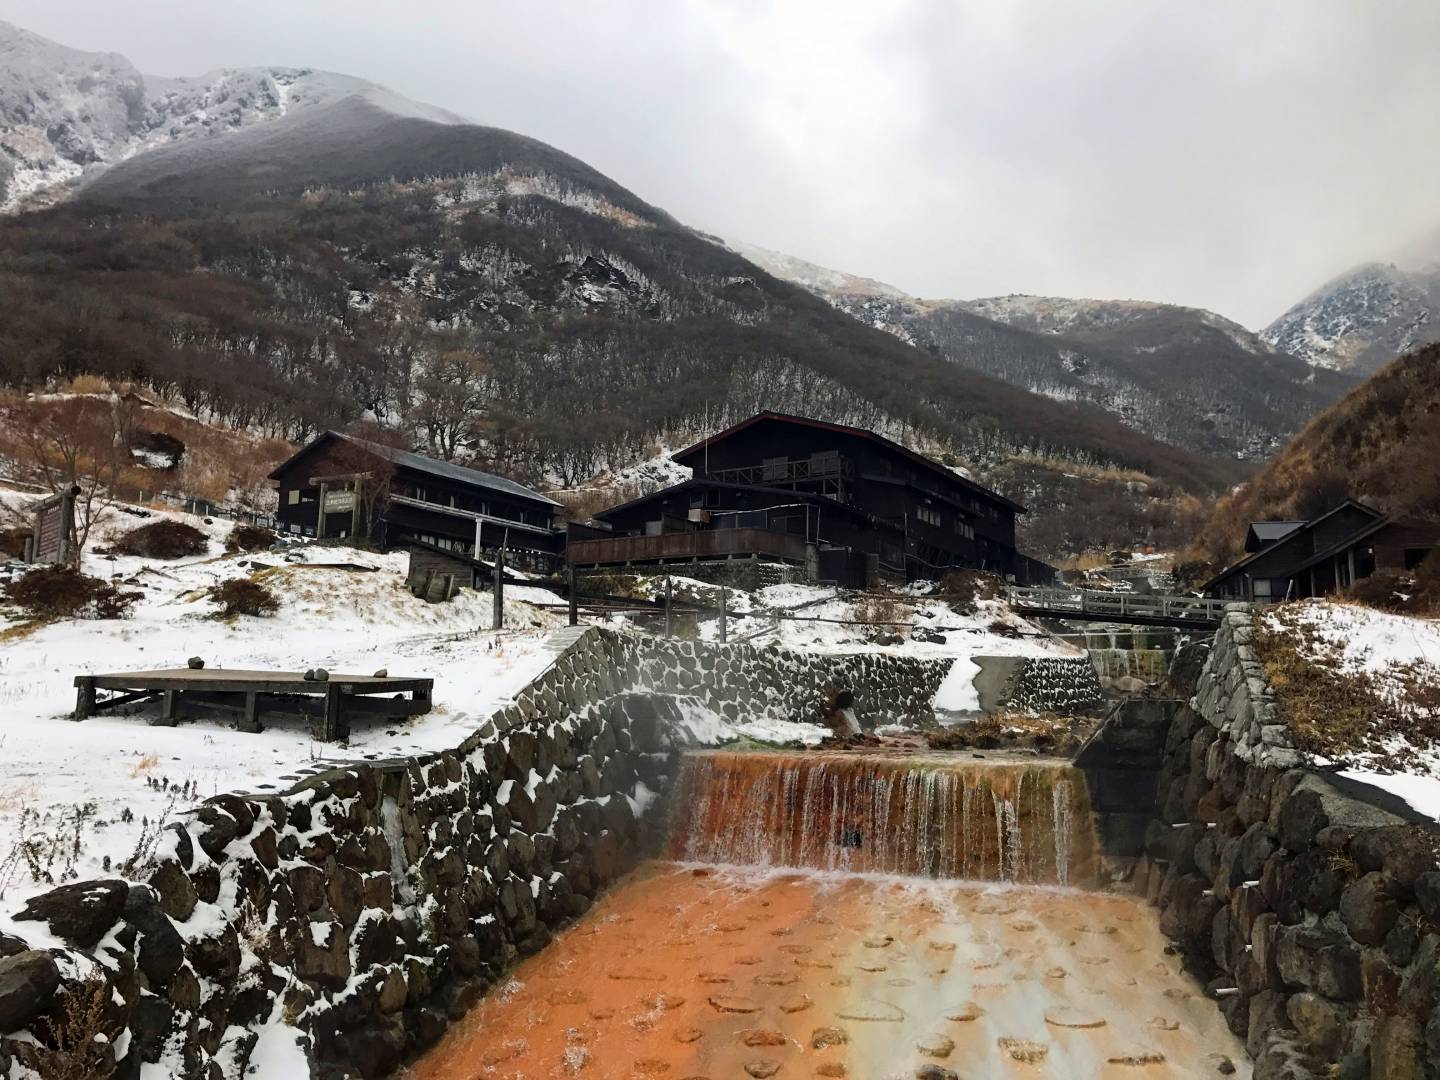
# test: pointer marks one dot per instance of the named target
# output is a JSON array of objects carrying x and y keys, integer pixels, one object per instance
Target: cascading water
[{"x": 915, "y": 815}]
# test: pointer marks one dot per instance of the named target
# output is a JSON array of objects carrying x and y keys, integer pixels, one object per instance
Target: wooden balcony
[{"x": 693, "y": 546}]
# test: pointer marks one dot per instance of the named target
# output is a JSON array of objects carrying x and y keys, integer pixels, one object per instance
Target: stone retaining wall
[
  {"x": 371, "y": 904},
  {"x": 751, "y": 682},
  {"x": 1308, "y": 906}
]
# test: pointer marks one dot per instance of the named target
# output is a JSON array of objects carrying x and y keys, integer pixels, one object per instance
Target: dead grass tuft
[{"x": 1388, "y": 724}]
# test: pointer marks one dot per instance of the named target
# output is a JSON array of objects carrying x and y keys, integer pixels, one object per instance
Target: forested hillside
[
  {"x": 1379, "y": 444},
  {"x": 541, "y": 327}
]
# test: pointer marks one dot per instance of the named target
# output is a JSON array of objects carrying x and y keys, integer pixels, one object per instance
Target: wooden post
[
  {"x": 574, "y": 600},
  {"x": 337, "y": 726},
  {"x": 84, "y": 697},
  {"x": 169, "y": 708},
  {"x": 250, "y": 715},
  {"x": 724, "y": 592},
  {"x": 669, "y": 608},
  {"x": 499, "y": 588},
  {"x": 320, "y": 514}
]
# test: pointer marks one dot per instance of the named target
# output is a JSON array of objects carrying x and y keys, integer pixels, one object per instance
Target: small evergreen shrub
[
  {"x": 242, "y": 596},
  {"x": 162, "y": 540},
  {"x": 57, "y": 592},
  {"x": 248, "y": 538}
]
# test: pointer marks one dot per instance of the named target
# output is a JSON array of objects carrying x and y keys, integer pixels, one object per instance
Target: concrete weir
[{"x": 863, "y": 915}]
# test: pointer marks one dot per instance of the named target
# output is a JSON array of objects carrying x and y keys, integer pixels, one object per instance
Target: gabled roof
[
  {"x": 1261, "y": 533},
  {"x": 1230, "y": 571},
  {"x": 420, "y": 463},
  {"x": 860, "y": 433},
  {"x": 700, "y": 482}
]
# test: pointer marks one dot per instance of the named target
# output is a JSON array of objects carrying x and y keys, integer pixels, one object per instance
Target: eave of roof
[
  {"x": 421, "y": 463},
  {"x": 844, "y": 429},
  {"x": 1269, "y": 549}
]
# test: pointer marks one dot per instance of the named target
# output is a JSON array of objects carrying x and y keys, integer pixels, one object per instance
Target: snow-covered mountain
[
  {"x": 818, "y": 279},
  {"x": 1366, "y": 317},
  {"x": 68, "y": 115},
  {"x": 1183, "y": 375}
]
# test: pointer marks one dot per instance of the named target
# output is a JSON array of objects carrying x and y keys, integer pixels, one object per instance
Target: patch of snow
[{"x": 957, "y": 693}]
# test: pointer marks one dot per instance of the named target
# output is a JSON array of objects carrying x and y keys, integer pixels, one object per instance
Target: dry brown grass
[
  {"x": 1388, "y": 724},
  {"x": 1378, "y": 444},
  {"x": 78, "y": 1036},
  {"x": 218, "y": 462},
  {"x": 878, "y": 608}
]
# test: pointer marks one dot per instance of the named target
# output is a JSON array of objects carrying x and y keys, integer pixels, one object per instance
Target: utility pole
[
  {"x": 669, "y": 609},
  {"x": 499, "y": 588},
  {"x": 574, "y": 612},
  {"x": 723, "y": 593}
]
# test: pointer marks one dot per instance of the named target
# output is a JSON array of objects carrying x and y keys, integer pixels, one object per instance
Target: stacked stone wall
[
  {"x": 370, "y": 905},
  {"x": 1308, "y": 905}
]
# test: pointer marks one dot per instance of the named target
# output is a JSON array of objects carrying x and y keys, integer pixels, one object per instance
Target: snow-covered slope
[
  {"x": 1364, "y": 318},
  {"x": 817, "y": 279},
  {"x": 67, "y": 114},
  {"x": 1075, "y": 317}
]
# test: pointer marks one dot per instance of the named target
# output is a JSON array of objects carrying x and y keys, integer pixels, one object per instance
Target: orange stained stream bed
[{"x": 690, "y": 972}]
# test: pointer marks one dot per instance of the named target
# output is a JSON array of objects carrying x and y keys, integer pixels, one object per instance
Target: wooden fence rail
[{"x": 1123, "y": 607}]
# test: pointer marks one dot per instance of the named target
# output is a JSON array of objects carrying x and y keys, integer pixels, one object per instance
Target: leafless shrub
[
  {"x": 57, "y": 592},
  {"x": 242, "y": 596},
  {"x": 162, "y": 540},
  {"x": 77, "y": 1035}
]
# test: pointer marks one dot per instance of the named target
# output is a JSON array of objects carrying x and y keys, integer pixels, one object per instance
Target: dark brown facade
[
  {"x": 846, "y": 502},
  {"x": 1330, "y": 552},
  {"x": 339, "y": 486}
]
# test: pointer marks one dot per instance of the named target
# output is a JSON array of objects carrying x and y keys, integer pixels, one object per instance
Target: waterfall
[{"x": 914, "y": 815}]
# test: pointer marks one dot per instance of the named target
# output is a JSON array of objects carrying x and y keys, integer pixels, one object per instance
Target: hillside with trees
[
  {"x": 1379, "y": 444},
  {"x": 526, "y": 323}
]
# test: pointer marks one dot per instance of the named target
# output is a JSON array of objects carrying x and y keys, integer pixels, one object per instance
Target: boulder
[
  {"x": 1369, "y": 909},
  {"x": 1322, "y": 1025},
  {"x": 175, "y": 889},
  {"x": 1319, "y": 958},
  {"x": 28, "y": 981},
  {"x": 161, "y": 950},
  {"x": 81, "y": 913}
]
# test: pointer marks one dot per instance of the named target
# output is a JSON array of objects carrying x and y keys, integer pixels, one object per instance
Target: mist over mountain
[{"x": 1183, "y": 375}]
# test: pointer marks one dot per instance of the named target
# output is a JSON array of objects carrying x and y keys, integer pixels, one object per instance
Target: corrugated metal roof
[{"x": 448, "y": 470}]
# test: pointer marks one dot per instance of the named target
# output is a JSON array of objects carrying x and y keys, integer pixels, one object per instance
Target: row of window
[
  {"x": 475, "y": 506},
  {"x": 930, "y": 516}
]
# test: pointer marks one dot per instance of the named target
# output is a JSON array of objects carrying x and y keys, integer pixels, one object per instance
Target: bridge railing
[{"x": 1119, "y": 604}]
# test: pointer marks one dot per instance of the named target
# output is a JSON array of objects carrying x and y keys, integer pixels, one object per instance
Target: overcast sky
[{"x": 1230, "y": 154}]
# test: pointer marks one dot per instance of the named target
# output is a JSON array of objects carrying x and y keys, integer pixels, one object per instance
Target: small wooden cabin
[
  {"x": 339, "y": 486},
  {"x": 1294, "y": 560}
]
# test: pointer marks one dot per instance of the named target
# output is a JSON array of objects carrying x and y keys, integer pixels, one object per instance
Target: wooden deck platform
[{"x": 330, "y": 703}]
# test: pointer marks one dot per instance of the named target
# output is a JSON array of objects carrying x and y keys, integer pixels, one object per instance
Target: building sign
[
  {"x": 54, "y": 529},
  {"x": 339, "y": 502}
]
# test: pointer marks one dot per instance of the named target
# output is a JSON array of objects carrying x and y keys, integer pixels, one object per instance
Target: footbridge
[{"x": 1187, "y": 612}]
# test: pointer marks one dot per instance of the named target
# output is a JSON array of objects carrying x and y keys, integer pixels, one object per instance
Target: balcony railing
[
  {"x": 702, "y": 544},
  {"x": 780, "y": 473}
]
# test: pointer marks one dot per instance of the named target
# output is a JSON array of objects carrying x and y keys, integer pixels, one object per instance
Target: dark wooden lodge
[
  {"x": 845, "y": 504},
  {"x": 340, "y": 486},
  {"x": 1289, "y": 560}
]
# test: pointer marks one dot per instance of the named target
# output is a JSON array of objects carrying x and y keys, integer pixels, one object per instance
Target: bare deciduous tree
[{"x": 82, "y": 443}]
